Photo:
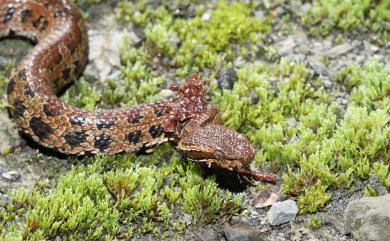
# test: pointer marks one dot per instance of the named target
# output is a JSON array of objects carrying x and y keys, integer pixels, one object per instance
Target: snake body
[{"x": 59, "y": 57}]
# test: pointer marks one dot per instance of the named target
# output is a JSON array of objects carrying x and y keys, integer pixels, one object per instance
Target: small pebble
[
  {"x": 282, "y": 212},
  {"x": 11, "y": 176}
]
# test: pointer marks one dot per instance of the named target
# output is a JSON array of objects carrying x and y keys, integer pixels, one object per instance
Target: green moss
[
  {"x": 208, "y": 42},
  {"x": 89, "y": 96},
  {"x": 382, "y": 172},
  {"x": 325, "y": 16},
  {"x": 203, "y": 202},
  {"x": 204, "y": 42},
  {"x": 297, "y": 128},
  {"x": 314, "y": 198},
  {"x": 314, "y": 222},
  {"x": 370, "y": 191},
  {"x": 91, "y": 202},
  {"x": 297, "y": 125}
]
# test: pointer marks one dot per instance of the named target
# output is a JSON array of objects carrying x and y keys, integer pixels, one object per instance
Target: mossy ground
[{"x": 299, "y": 130}]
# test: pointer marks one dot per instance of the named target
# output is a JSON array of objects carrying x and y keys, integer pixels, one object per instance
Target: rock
[
  {"x": 338, "y": 50},
  {"x": 302, "y": 233},
  {"x": 11, "y": 176},
  {"x": 254, "y": 97},
  {"x": 242, "y": 232},
  {"x": 266, "y": 198},
  {"x": 318, "y": 67},
  {"x": 282, "y": 212},
  {"x": 206, "y": 16},
  {"x": 227, "y": 78},
  {"x": 187, "y": 219},
  {"x": 4, "y": 199},
  {"x": 369, "y": 218},
  {"x": 291, "y": 122},
  {"x": 206, "y": 234},
  {"x": 166, "y": 93},
  {"x": 328, "y": 83},
  {"x": 286, "y": 46},
  {"x": 105, "y": 54}
]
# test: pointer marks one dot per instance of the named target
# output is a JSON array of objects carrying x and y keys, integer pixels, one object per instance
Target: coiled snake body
[{"x": 59, "y": 57}]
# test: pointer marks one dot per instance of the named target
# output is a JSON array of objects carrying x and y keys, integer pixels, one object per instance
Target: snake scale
[{"x": 59, "y": 57}]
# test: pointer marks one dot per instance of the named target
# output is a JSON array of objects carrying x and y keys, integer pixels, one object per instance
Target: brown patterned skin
[{"x": 58, "y": 58}]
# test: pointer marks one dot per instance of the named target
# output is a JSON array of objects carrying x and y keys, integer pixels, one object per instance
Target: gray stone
[
  {"x": 11, "y": 176},
  {"x": 318, "y": 67},
  {"x": 282, "y": 212},
  {"x": 206, "y": 16},
  {"x": 4, "y": 199},
  {"x": 369, "y": 218},
  {"x": 338, "y": 50},
  {"x": 242, "y": 232},
  {"x": 207, "y": 234},
  {"x": 286, "y": 46},
  {"x": 227, "y": 78},
  {"x": 291, "y": 122},
  {"x": 166, "y": 93}
]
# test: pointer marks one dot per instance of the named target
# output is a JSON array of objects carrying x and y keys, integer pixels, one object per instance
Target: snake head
[{"x": 219, "y": 146}]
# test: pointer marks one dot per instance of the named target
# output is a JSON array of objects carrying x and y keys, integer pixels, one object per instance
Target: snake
[{"x": 58, "y": 58}]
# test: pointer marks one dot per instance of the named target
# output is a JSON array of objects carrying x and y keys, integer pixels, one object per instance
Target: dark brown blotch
[
  {"x": 75, "y": 138},
  {"x": 40, "y": 128},
  {"x": 25, "y": 14},
  {"x": 47, "y": 5},
  {"x": 71, "y": 48},
  {"x": 78, "y": 67},
  {"x": 66, "y": 73},
  {"x": 156, "y": 131},
  {"x": 9, "y": 14},
  {"x": 57, "y": 58},
  {"x": 136, "y": 119},
  {"x": 134, "y": 137},
  {"x": 41, "y": 23},
  {"x": 102, "y": 142},
  {"x": 58, "y": 13},
  {"x": 104, "y": 124},
  {"x": 19, "y": 108},
  {"x": 158, "y": 112},
  {"x": 29, "y": 92},
  {"x": 79, "y": 120},
  {"x": 49, "y": 110},
  {"x": 11, "y": 86}
]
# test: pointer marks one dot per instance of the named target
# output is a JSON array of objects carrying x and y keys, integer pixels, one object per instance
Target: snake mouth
[
  {"x": 230, "y": 165},
  {"x": 237, "y": 167}
]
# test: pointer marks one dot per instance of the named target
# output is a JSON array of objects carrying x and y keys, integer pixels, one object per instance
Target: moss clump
[
  {"x": 298, "y": 125},
  {"x": 91, "y": 202},
  {"x": 314, "y": 198},
  {"x": 227, "y": 32},
  {"x": 314, "y": 222},
  {"x": 382, "y": 172},
  {"x": 370, "y": 191},
  {"x": 204, "y": 40},
  {"x": 325, "y": 16}
]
